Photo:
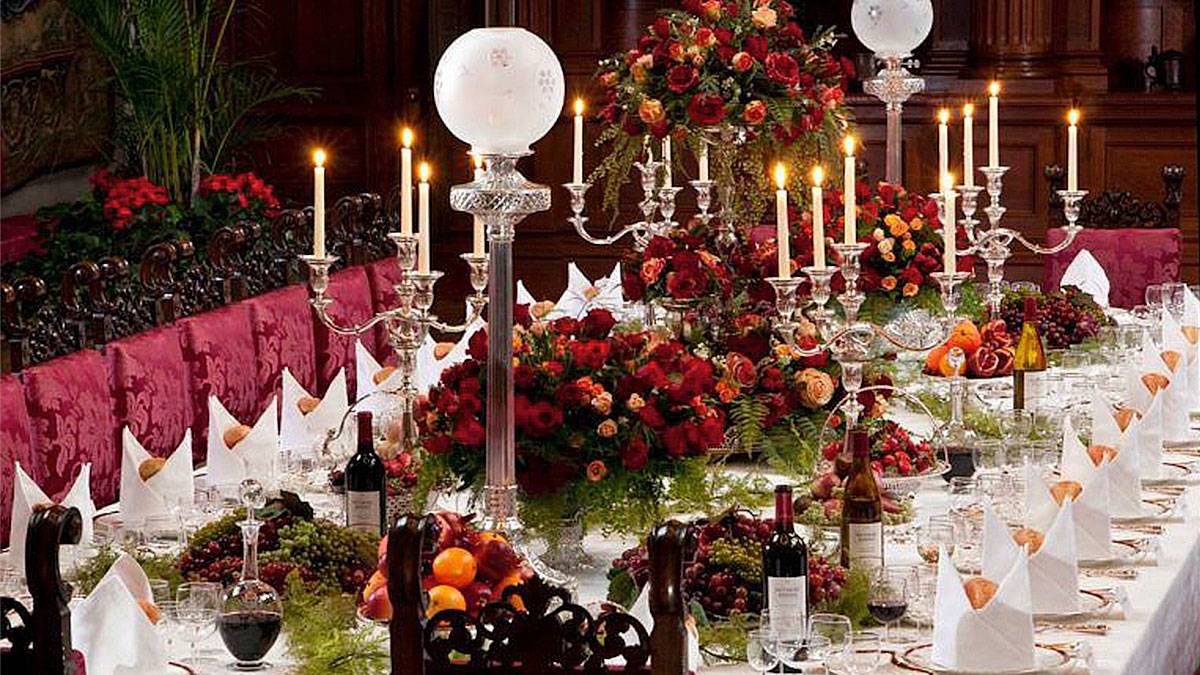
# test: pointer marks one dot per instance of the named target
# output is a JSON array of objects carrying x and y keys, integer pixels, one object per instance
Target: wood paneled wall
[{"x": 375, "y": 60}]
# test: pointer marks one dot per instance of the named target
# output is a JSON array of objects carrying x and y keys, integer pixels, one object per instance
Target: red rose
[
  {"x": 686, "y": 284},
  {"x": 597, "y": 324},
  {"x": 652, "y": 375},
  {"x": 912, "y": 275},
  {"x": 631, "y": 284},
  {"x": 659, "y": 247},
  {"x": 635, "y": 454},
  {"x": 675, "y": 439},
  {"x": 524, "y": 377},
  {"x": 651, "y": 416},
  {"x": 682, "y": 78},
  {"x": 571, "y": 394},
  {"x": 742, "y": 61},
  {"x": 756, "y": 46},
  {"x": 772, "y": 379},
  {"x": 755, "y": 113},
  {"x": 477, "y": 345},
  {"x": 437, "y": 445},
  {"x": 662, "y": 27},
  {"x": 565, "y": 325},
  {"x": 706, "y": 109},
  {"x": 468, "y": 431},
  {"x": 554, "y": 368},
  {"x": 591, "y": 354},
  {"x": 712, "y": 432},
  {"x": 783, "y": 68},
  {"x": 542, "y": 419},
  {"x": 521, "y": 315},
  {"x": 742, "y": 370}
]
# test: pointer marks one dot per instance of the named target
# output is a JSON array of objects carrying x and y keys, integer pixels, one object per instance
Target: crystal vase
[{"x": 564, "y": 545}]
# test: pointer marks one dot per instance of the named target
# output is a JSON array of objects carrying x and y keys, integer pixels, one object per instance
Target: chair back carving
[
  {"x": 534, "y": 628},
  {"x": 41, "y": 637},
  {"x": 1113, "y": 209}
]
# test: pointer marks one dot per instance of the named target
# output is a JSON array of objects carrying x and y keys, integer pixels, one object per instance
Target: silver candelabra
[
  {"x": 994, "y": 244},
  {"x": 408, "y": 323}
]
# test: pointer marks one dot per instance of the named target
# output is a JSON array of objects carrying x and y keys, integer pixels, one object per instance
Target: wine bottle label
[
  {"x": 787, "y": 603},
  {"x": 362, "y": 510},
  {"x": 1034, "y": 386},
  {"x": 866, "y": 541}
]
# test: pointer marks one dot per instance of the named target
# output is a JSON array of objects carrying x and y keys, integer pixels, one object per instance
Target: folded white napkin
[
  {"x": 300, "y": 433},
  {"x": 27, "y": 494},
  {"x": 582, "y": 295},
  {"x": 171, "y": 486},
  {"x": 1053, "y": 568},
  {"x": 1088, "y": 276},
  {"x": 524, "y": 297},
  {"x": 429, "y": 366},
  {"x": 372, "y": 396},
  {"x": 1093, "y": 523},
  {"x": 112, "y": 630},
  {"x": 997, "y": 637},
  {"x": 254, "y": 457},
  {"x": 1191, "y": 325},
  {"x": 1176, "y": 402},
  {"x": 1147, "y": 361},
  {"x": 641, "y": 612},
  {"x": 1124, "y": 472}
]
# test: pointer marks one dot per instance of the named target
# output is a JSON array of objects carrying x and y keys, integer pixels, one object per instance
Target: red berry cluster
[{"x": 898, "y": 453}]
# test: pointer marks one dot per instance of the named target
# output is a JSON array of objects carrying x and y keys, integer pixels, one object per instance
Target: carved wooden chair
[
  {"x": 1136, "y": 241},
  {"x": 40, "y": 637},
  {"x": 551, "y": 636}
]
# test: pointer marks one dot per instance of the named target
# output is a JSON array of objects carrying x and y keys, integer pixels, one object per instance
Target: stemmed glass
[
  {"x": 834, "y": 627},
  {"x": 197, "y": 605},
  {"x": 937, "y": 532},
  {"x": 800, "y": 652},
  {"x": 762, "y": 649},
  {"x": 863, "y": 654},
  {"x": 887, "y": 597}
]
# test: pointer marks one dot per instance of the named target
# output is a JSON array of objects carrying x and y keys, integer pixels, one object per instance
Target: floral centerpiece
[
  {"x": 741, "y": 69},
  {"x": 601, "y": 418},
  {"x": 675, "y": 267}
]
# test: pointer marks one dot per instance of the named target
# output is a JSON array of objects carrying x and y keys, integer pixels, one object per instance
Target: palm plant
[{"x": 182, "y": 108}]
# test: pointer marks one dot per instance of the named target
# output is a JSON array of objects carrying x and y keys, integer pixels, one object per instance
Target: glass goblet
[
  {"x": 834, "y": 627},
  {"x": 887, "y": 597},
  {"x": 864, "y": 654},
  {"x": 801, "y": 652},
  {"x": 762, "y": 650},
  {"x": 198, "y": 603},
  {"x": 937, "y": 532}
]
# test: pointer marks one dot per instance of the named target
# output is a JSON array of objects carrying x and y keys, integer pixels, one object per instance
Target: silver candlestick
[
  {"x": 785, "y": 306},
  {"x": 970, "y": 201},
  {"x": 894, "y": 85}
]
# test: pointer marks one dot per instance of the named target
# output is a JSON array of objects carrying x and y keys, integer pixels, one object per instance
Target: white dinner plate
[
  {"x": 1046, "y": 658},
  {"x": 1123, "y": 552},
  {"x": 1152, "y": 510},
  {"x": 1090, "y": 604}
]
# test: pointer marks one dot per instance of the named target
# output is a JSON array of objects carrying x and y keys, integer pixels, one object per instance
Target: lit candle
[
  {"x": 782, "y": 233},
  {"x": 849, "y": 217},
  {"x": 1073, "y": 150},
  {"x": 994, "y": 124},
  {"x": 943, "y": 142},
  {"x": 423, "y": 219},
  {"x": 666, "y": 160},
  {"x": 969, "y": 145},
  {"x": 703, "y": 160},
  {"x": 477, "y": 238},
  {"x": 949, "y": 254},
  {"x": 406, "y": 139},
  {"x": 577, "y": 167},
  {"x": 818, "y": 217},
  {"x": 319, "y": 204}
]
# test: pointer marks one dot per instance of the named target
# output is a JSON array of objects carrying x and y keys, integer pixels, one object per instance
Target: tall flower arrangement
[{"x": 745, "y": 69}]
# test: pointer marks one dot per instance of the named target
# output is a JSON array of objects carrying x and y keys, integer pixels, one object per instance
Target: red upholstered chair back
[
  {"x": 351, "y": 293},
  {"x": 15, "y": 445},
  {"x": 219, "y": 349},
  {"x": 282, "y": 326},
  {"x": 71, "y": 418},
  {"x": 151, "y": 389},
  {"x": 383, "y": 276},
  {"x": 1133, "y": 258}
]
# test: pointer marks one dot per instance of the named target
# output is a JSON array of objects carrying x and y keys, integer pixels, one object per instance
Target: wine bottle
[
  {"x": 366, "y": 482},
  {"x": 785, "y": 571},
  {"x": 1029, "y": 360},
  {"x": 862, "y": 506}
]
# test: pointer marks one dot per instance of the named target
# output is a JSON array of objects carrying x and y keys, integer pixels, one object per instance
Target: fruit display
[
  {"x": 987, "y": 350},
  {"x": 463, "y": 569},
  {"x": 327, "y": 556},
  {"x": 1065, "y": 317},
  {"x": 894, "y": 452},
  {"x": 821, "y": 505},
  {"x": 724, "y": 572}
]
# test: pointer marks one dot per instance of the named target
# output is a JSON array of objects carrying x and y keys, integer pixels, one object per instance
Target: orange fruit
[
  {"x": 966, "y": 337},
  {"x": 933, "y": 361},
  {"x": 444, "y": 597},
  {"x": 454, "y": 567},
  {"x": 510, "y": 580}
]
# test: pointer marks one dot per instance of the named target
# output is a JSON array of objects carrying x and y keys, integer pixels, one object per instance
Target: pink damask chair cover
[
  {"x": 151, "y": 389},
  {"x": 71, "y": 419},
  {"x": 282, "y": 326},
  {"x": 1133, "y": 258},
  {"x": 351, "y": 294},
  {"x": 383, "y": 275},
  {"x": 15, "y": 445},
  {"x": 219, "y": 348}
]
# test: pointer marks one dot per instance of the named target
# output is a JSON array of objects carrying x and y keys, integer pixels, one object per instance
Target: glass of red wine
[{"x": 887, "y": 597}]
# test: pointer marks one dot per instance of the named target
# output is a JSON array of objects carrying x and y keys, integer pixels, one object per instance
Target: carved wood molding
[{"x": 1112, "y": 209}]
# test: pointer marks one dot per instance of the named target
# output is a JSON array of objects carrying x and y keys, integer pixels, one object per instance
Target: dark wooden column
[
  {"x": 1012, "y": 39},
  {"x": 1077, "y": 46}
]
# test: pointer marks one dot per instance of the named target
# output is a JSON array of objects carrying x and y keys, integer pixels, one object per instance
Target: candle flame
[
  {"x": 994, "y": 88},
  {"x": 848, "y": 145},
  {"x": 818, "y": 175},
  {"x": 968, "y": 109},
  {"x": 423, "y": 172},
  {"x": 780, "y": 175},
  {"x": 943, "y": 116},
  {"x": 406, "y": 137},
  {"x": 477, "y": 160},
  {"x": 319, "y": 157},
  {"x": 578, "y": 106},
  {"x": 1073, "y": 117}
]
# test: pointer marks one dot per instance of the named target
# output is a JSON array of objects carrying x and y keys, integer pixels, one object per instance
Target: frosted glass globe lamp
[
  {"x": 891, "y": 28},
  {"x": 499, "y": 89}
]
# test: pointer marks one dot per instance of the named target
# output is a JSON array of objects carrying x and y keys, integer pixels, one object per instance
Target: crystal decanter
[{"x": 252, "y": 614}]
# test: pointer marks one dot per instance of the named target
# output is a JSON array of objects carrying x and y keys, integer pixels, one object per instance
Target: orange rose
[
  {"x": 888, "y": 283},
  {"x": 916, "y": 224},
  {"x": 910, "y": 289},
  {"x": 635, "y": 403},
  {"x": 596, "y": 471},
  {"x": 763, "y": 17},
  {"x": 651, "y": 111},
  {"x": 651, "y": 269},
  {"x": 817, "y": 387},
  {"x": 909, "y": 245},
  {"x": 607, "y": 429}
]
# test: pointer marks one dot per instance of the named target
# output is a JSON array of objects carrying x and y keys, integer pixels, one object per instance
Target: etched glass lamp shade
[
  {"x": 891, "y": 28},
  {"x": 499, "y": 89}
]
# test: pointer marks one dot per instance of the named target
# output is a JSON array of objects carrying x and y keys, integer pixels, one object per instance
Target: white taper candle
[
  {"x": 782, "y": 232},
  {"x": 406, "y": 213},
  {"x": 1073, "y": 150},
  {"x": 994, "y": 124},
  {"x": 319, "y": 204},
  {"x": 969, "y": 145},
  {"x": 849, "y": 213},
  {"x": 423, "y": 220},
  {"x": 577, "y": 164}
]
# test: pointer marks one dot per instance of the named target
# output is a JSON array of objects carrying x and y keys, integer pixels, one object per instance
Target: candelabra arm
[
  {"x": 459, "y": 328},
  {"x": 320, "y": 305},
  {"x": 579, "y": 221}
]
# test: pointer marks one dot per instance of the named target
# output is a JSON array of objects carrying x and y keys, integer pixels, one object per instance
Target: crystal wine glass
[
  {"x": 762, "y": 650},
  {"x": 251, "y": 614},
  {"x": 887, "y": 597},
  {"x": 198, "y": 603},
  {"x": 937, "y": 532},
  {"x": 864, "y": 653},
  {"x": 836, "y": 627},
  {"x": 800, "y": 652}
]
